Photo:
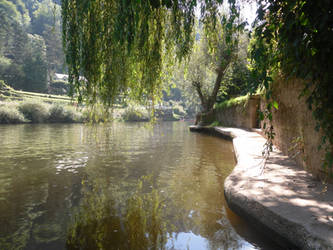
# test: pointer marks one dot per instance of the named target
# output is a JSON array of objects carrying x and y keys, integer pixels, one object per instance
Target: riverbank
[
  {"x": 280, "y": 196},
  {"x": 30, "y": 107},
  {"x": 33, "y": 111}
]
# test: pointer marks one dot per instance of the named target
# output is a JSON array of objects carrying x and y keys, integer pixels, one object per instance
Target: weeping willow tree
[{"x": 124, "y": 47}]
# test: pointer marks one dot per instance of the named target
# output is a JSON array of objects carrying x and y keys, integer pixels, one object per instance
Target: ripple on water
[{"x": 77, "y": 184}]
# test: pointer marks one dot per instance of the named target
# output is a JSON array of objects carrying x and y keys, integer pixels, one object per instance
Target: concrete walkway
[{"x": 278, "y": 195}]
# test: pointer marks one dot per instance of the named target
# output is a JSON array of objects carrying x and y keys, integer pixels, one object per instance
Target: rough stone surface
[
  {"x": 294, "y": 126},
  {"x": 276, "y": 193},
  {"x": 239, "y": 115}
]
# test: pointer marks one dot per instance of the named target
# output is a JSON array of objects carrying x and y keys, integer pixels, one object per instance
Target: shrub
[
  {"x": 73, "y": 115},
  {"x": 60, "y": 84},
  {"x": 132, "y": 114},
  {"x": 241, "y": 100},
  {"x": 215, "y": 124},
  {"x": 58, "y": 87},
  {"x": 9, "y": 115},
  {"x": 60, "y": 113},
  {"x": 95, "y": 114},
  {"x": 57, "y": 113},
  {"x": 4, "y": 86},
  {"x": 36, "y": 112},
  {"x": 178, "y": 110}
]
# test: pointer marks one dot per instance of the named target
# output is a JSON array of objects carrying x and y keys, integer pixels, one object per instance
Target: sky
[{"x": 248, "y": 11}]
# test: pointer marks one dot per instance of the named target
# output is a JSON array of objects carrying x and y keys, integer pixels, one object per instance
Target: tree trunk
[{"x": 208, "y": 102}]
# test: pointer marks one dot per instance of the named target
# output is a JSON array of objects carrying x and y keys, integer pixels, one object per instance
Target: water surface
[{"x": 119, "y": 186}]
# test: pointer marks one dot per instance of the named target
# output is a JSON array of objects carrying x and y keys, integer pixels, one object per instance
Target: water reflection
[
  {"x": 115, "y": 187},
  {"x": 103, "y": 222},
  {"x": 146, "y": 220}
]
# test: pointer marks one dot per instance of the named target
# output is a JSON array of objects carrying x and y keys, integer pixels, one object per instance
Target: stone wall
[
  {"x": 294, "y": 126},
  {"x": 243, "y": 115}
]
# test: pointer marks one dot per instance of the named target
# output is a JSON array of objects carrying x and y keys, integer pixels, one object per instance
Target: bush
[
  {"x": 59, "y": 113},
  {"x": 36, "y": 112},
  {"x": 95, "y": 114},
  {"x": 178, "y": 110},
  {"x": 9, "y": 115},
  {"x": 73, "y": 115},
  {"x": 241, "y": 100},
  {"x": 4, "y": 86},
  {"x": 132, "y": 114},
  {"x": 58, "y": 87}
]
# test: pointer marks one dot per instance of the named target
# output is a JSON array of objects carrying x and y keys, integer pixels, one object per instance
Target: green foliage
[
  {"x": 4, "y": 86},
  {"x": 215, "y": 124},
  {"x": 10, "y": 115},
  {"x": 217, "y": 51},
  {"x": 36, "y": 112},
  {"x": 296, "y": 37},
  {"x": 35, "y": 68},
  {"x": 178, "y": 109},
  {"x": 237, "y": 79},
  {"x": 136, "y": 41},
  {"x": 43, "y": 16},
  {"x": 22, "y": 63},
  {"x": 59, "y": 84},
  {"x": 132, "y": 114},
  {"x": 64, "y": 114},
  {"x": 241, "y": 100},
  {"x": 16, "y": 10},
  {"x": 36, "y": 107},
  {"x": 58, "y": 87},
  {"x": 25, "y": 58},
  {"x": 180, "y": 92}
]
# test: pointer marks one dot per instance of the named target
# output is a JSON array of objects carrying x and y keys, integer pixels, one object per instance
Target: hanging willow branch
[{"x": 117, "y": 47}]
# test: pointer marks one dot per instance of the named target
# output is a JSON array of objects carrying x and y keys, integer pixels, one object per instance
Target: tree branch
[{"x": 197, "y": 85}]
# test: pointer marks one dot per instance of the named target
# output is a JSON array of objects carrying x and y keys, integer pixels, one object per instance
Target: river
[{"x": 117, "y": 186}]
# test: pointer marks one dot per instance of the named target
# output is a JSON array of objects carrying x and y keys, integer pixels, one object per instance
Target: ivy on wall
[{"x": 296, "y": 38}]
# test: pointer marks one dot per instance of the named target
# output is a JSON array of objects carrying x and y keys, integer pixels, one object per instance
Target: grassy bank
[
  {"x": 9, "y": 94},
  {"x": 29, "y": 107},
  {"x": 34, "y": 111}
]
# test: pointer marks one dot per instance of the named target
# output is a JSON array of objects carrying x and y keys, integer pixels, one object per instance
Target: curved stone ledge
[{"x": 277, "y": 194}]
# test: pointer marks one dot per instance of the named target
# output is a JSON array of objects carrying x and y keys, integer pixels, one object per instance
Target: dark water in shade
[{"x": 119, "y": 186}]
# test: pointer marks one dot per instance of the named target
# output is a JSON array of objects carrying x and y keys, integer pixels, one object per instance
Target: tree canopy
[
  {"x": 30, "y": 43},
  {"x": 214, "y": 55}
]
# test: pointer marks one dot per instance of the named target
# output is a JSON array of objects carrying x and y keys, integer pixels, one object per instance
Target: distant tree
[
  {"x": 43, "y": 16},
  {"x": 53, "y": 41},
  {"x": 16, "y": 10},
  {"x": 238, "y": 79},
  {"x": 211, "y": 60},
  {"x": 35, "y": 67},
  {"x": 24, "y": 13},
  {"x": 35, "y": 74},
  {"x": 32, "y": 6},
  {"x": 24, "y": 58},
  {"x": 181, "y": 89},
  {"x": 14, "y": 44}
]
